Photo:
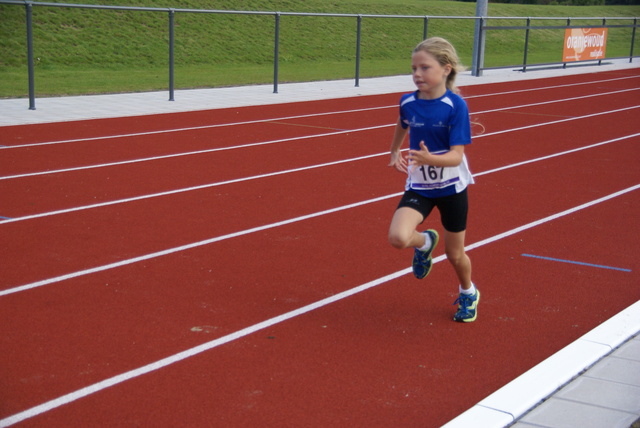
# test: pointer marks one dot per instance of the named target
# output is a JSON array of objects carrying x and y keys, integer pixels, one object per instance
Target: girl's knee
[
  {"x": 399, "y": 240},
  {"x": 455, "y": 257}
]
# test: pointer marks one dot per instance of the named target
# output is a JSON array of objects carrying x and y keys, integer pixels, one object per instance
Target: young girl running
[{"x": 439, "y": 128}]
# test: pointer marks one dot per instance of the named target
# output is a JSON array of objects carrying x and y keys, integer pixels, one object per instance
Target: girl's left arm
[{"x": 421, "y": 157}]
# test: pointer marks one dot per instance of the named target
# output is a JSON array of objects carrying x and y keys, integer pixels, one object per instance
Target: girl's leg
[
  {"x": 402, "y": 232},
  {"x": 454, "y": 249},
  {"x": 467, "y": 301}
]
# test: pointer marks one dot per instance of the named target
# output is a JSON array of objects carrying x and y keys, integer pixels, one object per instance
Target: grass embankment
[{"x": 81, "y": 51}]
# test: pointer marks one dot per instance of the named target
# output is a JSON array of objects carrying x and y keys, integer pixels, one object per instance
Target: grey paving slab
[
  {"x": 630, "y": 351},
  {"x": 617, "y": 370},
  {"x": 603, "y": 393},
  {"x": 567, "y": 414}
]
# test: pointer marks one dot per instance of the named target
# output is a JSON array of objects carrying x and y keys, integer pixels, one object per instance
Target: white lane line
[
  {"x": 554, "y": 122},
  {"x": 514, "y": 165},
  {"x": 189, "y": 189},
  {"x": 558, "y": 101},
  {"x": 283, "y": 140},
  {"x": 192, "y": 128},
  {"x": 189, "y": 246},
  {"x": 264, "y": 227},
  {"x": 273, "y": 174},
  {"x": 197, "y": 152},
  {"x": 91, "y": 389},
  {"x": 544, "y": 88}
]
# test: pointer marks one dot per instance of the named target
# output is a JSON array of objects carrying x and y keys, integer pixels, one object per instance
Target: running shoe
[
  {"x": 467, "y": 307},
  {"x": 422, "y": 259}
]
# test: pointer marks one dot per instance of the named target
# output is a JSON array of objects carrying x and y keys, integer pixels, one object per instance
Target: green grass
[{"x": 80, "y": 51}]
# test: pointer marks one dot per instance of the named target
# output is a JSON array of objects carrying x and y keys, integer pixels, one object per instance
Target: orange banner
[{"x": 583, "y": 44}]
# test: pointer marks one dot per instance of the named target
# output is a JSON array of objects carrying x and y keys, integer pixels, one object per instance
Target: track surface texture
[{"x": 231, "y": 267}]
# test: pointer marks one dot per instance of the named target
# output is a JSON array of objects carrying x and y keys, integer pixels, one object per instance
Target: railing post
[
  {"x": 633, "y": 38},
  {"x": 564, "y": 64},
  {"x": 478, "y": 55},
  {"x": 604, "y": 22},
  {"x": 478, "y": 38},
  {"x": 276, "y": 53},
  {"x": 425, "y": 28},
  {"x": 358, "y": 38},
  {"x": 171, "y": 51},
  {"x": 526, "y": 46},
  {"x": 30, "y": 66}
]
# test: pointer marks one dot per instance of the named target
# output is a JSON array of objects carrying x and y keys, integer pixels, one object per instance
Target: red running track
[{"x": 230, "y": 267}]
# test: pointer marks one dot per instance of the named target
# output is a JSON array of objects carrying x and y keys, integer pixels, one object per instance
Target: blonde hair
[{"x": 445, "y": 54}]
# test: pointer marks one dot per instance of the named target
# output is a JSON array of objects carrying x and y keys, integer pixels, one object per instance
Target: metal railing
[
  {"x": 570, "y": 24},
  {"x": 478, "y": 45}
]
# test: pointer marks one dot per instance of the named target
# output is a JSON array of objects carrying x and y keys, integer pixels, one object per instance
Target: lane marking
[
  {"x": 91, "y": 389},
  {"x": 196, "y": 128},
  {"x": 544, "y": 88},
  {"x": 197, "y": 152},
  {"x": 302, "y": 125},
  {"x": 273, "y": 174},
  {"x": 264, "y": 143},
  {"x": 556, "y": 101},
  {"x": 554, "y": 122},
  {"x": 575, "y": 262},
  {"x": 526, "y": 113},
  {"x": 190, "y": 246},
  {"x": 283, "y": 140},
  {"x": 566, "y": 152},
  {"x": 189, "y": 189}
]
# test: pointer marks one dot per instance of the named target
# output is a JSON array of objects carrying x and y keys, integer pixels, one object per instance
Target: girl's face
[{"x": 428, "y": 75}]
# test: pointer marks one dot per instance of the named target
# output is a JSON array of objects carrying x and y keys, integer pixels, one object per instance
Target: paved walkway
[
  {"x": 592, "y": 383},
  {"x": 16, "y": 111}
]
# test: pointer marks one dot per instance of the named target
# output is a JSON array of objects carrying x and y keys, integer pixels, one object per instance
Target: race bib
[{"x": 429, "y": 177}]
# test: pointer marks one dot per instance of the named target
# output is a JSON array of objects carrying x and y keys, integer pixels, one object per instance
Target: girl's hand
[
  {"x": 419, "y": 157},
  {"x": 398, "y": 162}
]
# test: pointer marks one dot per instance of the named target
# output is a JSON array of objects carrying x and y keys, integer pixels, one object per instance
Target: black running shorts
[{"x": 453, "y": 209}]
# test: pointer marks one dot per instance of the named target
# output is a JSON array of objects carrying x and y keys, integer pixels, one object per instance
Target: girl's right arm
[{"x": 397, "y": 161}]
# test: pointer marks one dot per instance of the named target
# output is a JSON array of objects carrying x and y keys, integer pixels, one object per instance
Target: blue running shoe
[
  {"x": 422, "y": 259},
  {"x": 467, "y": 307}
]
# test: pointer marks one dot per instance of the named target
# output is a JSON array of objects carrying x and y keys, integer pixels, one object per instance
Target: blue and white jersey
[{"x": 441, "y": 123}]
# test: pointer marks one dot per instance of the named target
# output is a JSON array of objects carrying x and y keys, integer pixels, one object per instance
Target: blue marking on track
[
  {"x": 576, "y": 263},
  {"x": 5, "y": 218}
]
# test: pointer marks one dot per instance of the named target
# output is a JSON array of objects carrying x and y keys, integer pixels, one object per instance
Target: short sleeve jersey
[{"x": 441, "y": 123}]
